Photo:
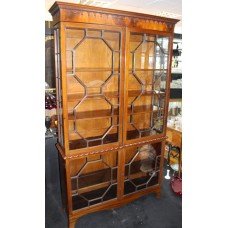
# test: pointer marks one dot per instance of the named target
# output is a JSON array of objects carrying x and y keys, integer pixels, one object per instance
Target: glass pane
[
  {"x": 160, "y": 81},
  {"x": 58, "y": 88},
  {"x": 93, "y": 53},
  {"x": 142, "y": 167},
  {"x": 143, "y": 56},
  {"x": 112, "y": 39},
  {"x": 146, "y": 85},
  {"x": 93, "y": 179},
  {"x": 93, "y": 77},
  {"x": 163, "y": 43}
]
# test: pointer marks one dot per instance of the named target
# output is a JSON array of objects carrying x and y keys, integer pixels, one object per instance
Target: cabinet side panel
[
  {"x": 58, "y": 87},
  {"x": 168, "y": 82},
  {"x": 62, "y": 174},
  {"x": 64, "y": 86},
  {"x": 161, "y": 163}
]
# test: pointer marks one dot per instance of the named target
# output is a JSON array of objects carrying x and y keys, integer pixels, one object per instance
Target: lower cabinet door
[
  {"x": 142, "y": 167},
  {"x": 93, "y": 179}
]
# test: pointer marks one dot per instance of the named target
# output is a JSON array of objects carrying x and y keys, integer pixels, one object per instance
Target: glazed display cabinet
[{"x": 112, "y": 79}]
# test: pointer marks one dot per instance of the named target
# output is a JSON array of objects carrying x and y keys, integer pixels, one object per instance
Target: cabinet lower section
[
  {"x": 109, "y": 179},
  {"x": 112, "y": 204}
]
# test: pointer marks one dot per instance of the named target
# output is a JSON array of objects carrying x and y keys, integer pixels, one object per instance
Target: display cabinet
[{"x": 112, "y": 79}]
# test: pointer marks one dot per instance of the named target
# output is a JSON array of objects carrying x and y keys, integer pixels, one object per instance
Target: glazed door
[
  {"x": 93, "y": 73},
  {"x": 142, "y": 167},
  {"x": 148, "y": 69},
  {"x": 94, "y": 179}
]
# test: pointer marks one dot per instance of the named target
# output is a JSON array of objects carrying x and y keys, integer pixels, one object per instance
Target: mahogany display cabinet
[{"x": 112, "y": 79}]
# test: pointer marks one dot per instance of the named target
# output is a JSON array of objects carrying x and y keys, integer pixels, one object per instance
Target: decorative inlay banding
[{"x": 108, "y": 150}]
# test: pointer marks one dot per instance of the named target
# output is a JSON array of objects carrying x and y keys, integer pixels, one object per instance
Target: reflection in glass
[
  {"x": 48, "y": 133},
  {"x": 142, "y": 167}
]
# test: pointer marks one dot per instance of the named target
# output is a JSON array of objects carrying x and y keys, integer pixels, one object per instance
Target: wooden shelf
[
  {"x": 114, "y": 94},
  {"x": 95, "y": 114},
  {"x": 93, "y": 180},
  {"x": 134, "y": 134},
  {"x": 76, "y": 96},
  {"x": 139, "y": 69},
  {"x": 99, "y": 114},
  {"x": 134, "y": 93},
  {"x": 80, "y": 143},
  {"x": 79, "y": 96},
  {"x": 91, "y": 188},
  {"x": 142, "y": 109},
  {"x": 82, "y": 69}
]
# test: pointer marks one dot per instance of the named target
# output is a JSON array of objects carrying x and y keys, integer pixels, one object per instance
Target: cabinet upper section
[{"x": 69, "y": 12}]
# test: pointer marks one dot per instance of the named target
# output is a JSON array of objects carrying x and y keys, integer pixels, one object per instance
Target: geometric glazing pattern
[
  {"x": 95, "y": 181},
  {"x": 58, "y": 88},
  {"x": 93, "y": 64},
  {"x": 147, "y": 84},
  {"x": 142, "y": 168}
]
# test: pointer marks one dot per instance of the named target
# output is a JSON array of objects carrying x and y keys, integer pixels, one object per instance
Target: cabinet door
[
  {"x": 94, "y": 179},
  {"x": 93, "y": 85},
  {"x": 142, "y": 167},
  {"x": 148, "y": 63}
]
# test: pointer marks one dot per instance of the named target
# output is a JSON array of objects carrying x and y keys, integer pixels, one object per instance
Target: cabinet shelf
[
  {"x": 145, "y": 132},
  {"x": 79, "y": 96},
  {"x": 93, "y": 180},
  {"x": 142, "y": 109},
  {"x": 115, "y": 94},
  {"x": 99, "y": 114},
  {"x": 80, "y": 143},
  {"x": 134, "y": 93},
  {"x": 95, "y": 114},
  {"x": 142, "y": 69},
  {"x": 83, "y": 69}
]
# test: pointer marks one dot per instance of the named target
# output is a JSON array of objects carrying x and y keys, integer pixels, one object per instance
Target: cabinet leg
[
  {"x": 72, "y": 224},
  {"x": 158, "y": 195}
]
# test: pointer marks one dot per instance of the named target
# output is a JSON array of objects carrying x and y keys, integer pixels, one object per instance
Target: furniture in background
[
  {"x": 113, "y": 70},
  {"x": 49, "y": 54},
  {"x": 175, "y": 108},
  {"x": 174, "y": 158},
  {"x": 174, "y": 143},
  {"x": 175, "y": 103},
  {"x": 50, "y": 112}
]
